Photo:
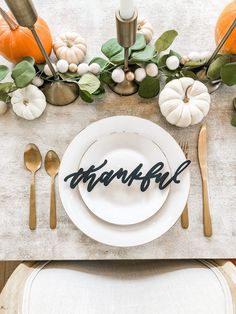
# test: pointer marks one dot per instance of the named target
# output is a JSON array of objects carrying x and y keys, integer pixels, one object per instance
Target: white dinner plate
[
  {"x": 112, "y": 234},
  {"x": 119, "y": 203}
]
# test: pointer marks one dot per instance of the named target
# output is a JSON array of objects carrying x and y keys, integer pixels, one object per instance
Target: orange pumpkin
[
  {"x": 225, "y": 20},
  {"x": 17, "y": 42}
]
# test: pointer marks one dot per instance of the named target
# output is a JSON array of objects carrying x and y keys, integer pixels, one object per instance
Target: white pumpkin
[
  {"x": 145, "y": 28},
  {"x": 71, "y": 47},
  {"x": 184, "y": 102},
  {"x": 29, "y": 102}
]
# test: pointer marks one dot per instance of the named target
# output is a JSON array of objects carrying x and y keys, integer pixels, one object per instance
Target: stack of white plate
[{"x": 118, "y": 214}]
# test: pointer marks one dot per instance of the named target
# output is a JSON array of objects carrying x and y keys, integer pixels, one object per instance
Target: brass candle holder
[
  {"x": 57, "y": 93},
  {"x": 126, "y": 37}
]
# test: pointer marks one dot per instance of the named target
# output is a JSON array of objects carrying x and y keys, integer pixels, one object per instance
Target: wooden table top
[{"x": 194, "y": 20}]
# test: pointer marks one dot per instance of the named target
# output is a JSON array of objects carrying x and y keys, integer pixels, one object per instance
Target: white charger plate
[
  {"x": 119, "y": 203},
  {"x": 117, "y": 235}
]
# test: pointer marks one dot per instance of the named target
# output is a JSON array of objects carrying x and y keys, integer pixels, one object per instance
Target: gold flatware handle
[
  {"x": 53, "y": 212},
  {"x": 32, "y": 209},
  {"x": 184, "y": 217},
  {"x": 206, "y": 210}
]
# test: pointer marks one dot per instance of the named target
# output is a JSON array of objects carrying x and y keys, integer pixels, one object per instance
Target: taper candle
[{"x": 126, "y": 9}]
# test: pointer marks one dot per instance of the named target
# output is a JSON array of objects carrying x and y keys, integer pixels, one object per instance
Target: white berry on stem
[
  {"x": 140, "y": 74},
  {"x": 151, "y": 69},
  {"x": 73, "y": 67},
  {"x": 94, "y": 68},
  {"x": 172, "y": 63},
  {"x": 184, "y": 60},
  {"x": 83, "y": 68},
  {"x": 129, "y": 76},
  {"x": 62, "y": 66},
  {"x": 37, "y": 81},
  {"x": 118, "y": 75},
  {"x": 47, "y": 70}
]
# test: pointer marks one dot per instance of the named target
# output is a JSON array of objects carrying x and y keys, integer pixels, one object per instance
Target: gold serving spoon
[
  {"x": 33, "y": 162},
  {"x": 52, "y": 164}
]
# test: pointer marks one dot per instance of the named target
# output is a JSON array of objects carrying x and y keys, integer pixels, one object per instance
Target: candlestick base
[
  {"x": 125, "y": 88},
  {"x": 60, "y": 93}
]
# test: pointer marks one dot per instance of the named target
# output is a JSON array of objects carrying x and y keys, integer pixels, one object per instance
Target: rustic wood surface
[
  {"x": 194, "y": 20},
  {"x": 6, "y": 269}
]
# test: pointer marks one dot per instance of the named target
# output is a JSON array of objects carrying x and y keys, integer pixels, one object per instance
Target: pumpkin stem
[
  {"x": 12, "y": 24},
  {"x": 186, "y": 98}
]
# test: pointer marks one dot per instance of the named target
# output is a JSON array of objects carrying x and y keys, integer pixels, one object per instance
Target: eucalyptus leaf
[
  {"x": 111, "y": 48},
  {"x": 149, "y": 87},
  {"x": 174, "y": 53},
  {"x": 40, "y": 67},
  {"x": 215, "y": 67},
  {"x": 143, "y": 55},
  {"x": 228, "y": 74},
  {"x": 69, "y": 75},
  {"x": 29, "y": 59},
  {"x": 233, "y": 120},
  {"x": 162, "y": 61},
  {"x": 4, "y": 70},
  {"x": 140, "y": 43},
  {"x": 169, "y": 79},
  {"x": 6, "y": 87},
  {"x": 102, "y": 62},
  {"x": 119, "y": 57},
  {"x": 4, "y": 96},
  {"x": 86, "y": 96},
  {"x": 105, "y": 77},
  {"x": 195, "y": 64},
  {"x": 189, "y": 74},
  {"x": 100, "y": 92},
  {"x": 23, "y": 74},
  {"x": 89, "y": 83},
  {"x": 165, "y": 40}
]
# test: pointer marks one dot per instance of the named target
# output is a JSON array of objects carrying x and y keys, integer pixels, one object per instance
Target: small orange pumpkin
[
  {"x": 17, "y": 42},
  {"x": 226, "y": 18}
]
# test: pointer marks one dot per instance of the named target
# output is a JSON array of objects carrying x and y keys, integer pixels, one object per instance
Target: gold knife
[{"x": 202, "y": 157}]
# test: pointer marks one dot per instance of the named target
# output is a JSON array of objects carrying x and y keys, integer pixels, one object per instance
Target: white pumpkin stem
[
  {"x": 186, "y": 98},
  {"x": 12, "y": 24}
]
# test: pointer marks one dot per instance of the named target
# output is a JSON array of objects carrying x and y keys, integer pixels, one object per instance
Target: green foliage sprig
[{"x": 222, "y": 69}]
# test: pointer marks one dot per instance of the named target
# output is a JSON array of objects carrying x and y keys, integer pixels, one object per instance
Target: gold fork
[{"x": 184, "y": 216}]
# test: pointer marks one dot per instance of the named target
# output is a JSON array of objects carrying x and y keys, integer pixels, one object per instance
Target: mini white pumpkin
[
  {"x": 184, "y": 102},
  {"x": 71, "y": 47},
  {"x": 29, "y": 102},
  {"x": 145, "y": 28}
]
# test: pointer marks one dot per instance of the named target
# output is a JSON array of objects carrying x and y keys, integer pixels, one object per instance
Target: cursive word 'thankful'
[{"x": 155, "y": 173}]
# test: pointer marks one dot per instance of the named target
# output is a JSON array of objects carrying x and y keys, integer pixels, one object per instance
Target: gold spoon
[
  {"x": 33, "y": 162},
  {"x": 52, "y": 164}
]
